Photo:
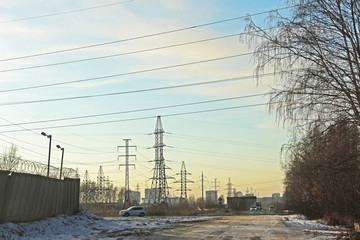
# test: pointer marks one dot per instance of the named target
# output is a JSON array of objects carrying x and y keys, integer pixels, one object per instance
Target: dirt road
[{"x": 253, "y": 227}]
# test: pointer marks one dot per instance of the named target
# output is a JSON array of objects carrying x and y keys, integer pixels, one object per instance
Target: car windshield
[{"x": 134, "y": 208}]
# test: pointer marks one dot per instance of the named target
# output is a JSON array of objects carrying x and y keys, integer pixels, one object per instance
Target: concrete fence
[{"x": 27, "y": 197}]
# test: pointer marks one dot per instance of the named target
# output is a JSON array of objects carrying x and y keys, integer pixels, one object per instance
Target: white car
[
  {"x": 133, "y": 211},
  {"x": 253, "y": 208}
]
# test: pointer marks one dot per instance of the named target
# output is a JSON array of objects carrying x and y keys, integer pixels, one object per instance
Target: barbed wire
[{"x": 37, "y": 168}]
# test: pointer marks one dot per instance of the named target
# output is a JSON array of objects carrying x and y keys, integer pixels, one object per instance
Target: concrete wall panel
[{"x": 26, "y": 197}]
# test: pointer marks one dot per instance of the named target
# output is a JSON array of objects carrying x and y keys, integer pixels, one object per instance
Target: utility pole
[
  {"x": 202, "y": 185},
  {"x": 159, "y": 188},
  {"x": 183, "y": 181},
  {"x": 127, "y": 201},
  {"x": 215, "y": 181}
]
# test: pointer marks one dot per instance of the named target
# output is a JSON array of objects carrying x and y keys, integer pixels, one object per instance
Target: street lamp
[
  {"x": 62, "y": 159},
  {"x": 48, "y": 136}
]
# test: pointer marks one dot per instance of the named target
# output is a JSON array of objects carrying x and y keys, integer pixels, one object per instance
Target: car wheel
[
  {"x": 142, "y": 214},
  {"x": 126, "y": 214}
]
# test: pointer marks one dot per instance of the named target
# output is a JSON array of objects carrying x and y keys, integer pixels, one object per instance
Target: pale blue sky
[{"x": 242, "y": 144}]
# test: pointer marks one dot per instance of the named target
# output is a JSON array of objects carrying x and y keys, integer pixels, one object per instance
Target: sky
[{"x": 113, "y": 66}]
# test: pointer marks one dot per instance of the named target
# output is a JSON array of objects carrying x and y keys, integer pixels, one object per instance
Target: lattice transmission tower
[
  {"x": 86, "y": 182},
  {"x": 229, "y": 188},
  {"x": 184, "y": 181},
  {"x": 101, "y": 185},
  {"x": 127, "y": 201},
  {"x": 159, "y": 188}
]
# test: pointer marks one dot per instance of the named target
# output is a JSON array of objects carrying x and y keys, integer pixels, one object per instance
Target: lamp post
[
  {"x": 48, "y": 136},
  {"x": 62, "y": 159}
]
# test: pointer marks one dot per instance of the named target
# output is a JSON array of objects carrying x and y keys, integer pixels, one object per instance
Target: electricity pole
[
  {"x": 100, "y": 185},
  {"x": 202, "y": 185},
  {"x": 229, "y": 188},
  {"x": 215, "y": 181},
  {"x": 159, "y": 188},
  {"x": 183, "y": 181},
  {"x": 87, "y": 182},
  {"x": 127, "y": 201}
]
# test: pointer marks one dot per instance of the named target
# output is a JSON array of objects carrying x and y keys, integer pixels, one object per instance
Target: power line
[
  {"x": 29, "y": 143},
  {"x": 120, "y": 54},
  {"x": 219, "y": 140},
  {"x": 139, "y": 118},
  {"x": 25, "y": 148},
  {"x": 125, "y": 74},
  {"x": 280, "y": 180},
  {"x": 224, "y": 155},
  {"x": 131, "y": 52},
  {"x": 136, "y": 110},
  {"x": 147, "y": 36},
  {"x": 231, "y": 168},
  {"x": 134, "y": 91},
  {"x": 29, "y": 130},
  {"x": 66, "y": 12}
]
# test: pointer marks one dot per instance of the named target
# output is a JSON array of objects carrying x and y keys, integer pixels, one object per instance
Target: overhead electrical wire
[
  {"x": 120, "y": 54},
  {"x": 225, "y": 155},
  {"x": 124, "y": 74},
  {"x": 197, "y": 138},
  {"x": 139, "y": 118},
  {"x": 36, "y": 133},
  {"x": 230, "y": 168},
  {"x": 23, "y": 148},
  {"x": 249, "y": 184},
  {"x": 66, "y": 12},
  {"x": 147, "y": 36},
  {"x": 137, "y": 110},
  {"x": 29, "y": 143}
]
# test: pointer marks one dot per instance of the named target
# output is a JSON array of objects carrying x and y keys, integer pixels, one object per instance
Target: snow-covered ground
[
  {"x": 86, "y": 225},
  {"x": 318, "y": 228}
]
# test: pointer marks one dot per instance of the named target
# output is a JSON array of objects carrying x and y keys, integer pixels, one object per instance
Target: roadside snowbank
[
  {"x": 86, "y": 225},
  {"x": 318, "y": 228}
]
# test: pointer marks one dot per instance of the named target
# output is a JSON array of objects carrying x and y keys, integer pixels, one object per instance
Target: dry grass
[
  {"x": 171, "y": 211},
  {"x": 105, "y": 212}
]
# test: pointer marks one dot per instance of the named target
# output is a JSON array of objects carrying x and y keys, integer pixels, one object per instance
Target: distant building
[
  {"x": 266, "y": 202},
  {"x": 275, "y": 195},
  {"x": 148, "y": 192},
  {"x": 135, "y": 195},
  {"x": 147, "y": 196},
  {"x": 211, "y": 197},
  {"x": 241, "y": 203},
  {"x": 174, "y": 200}
]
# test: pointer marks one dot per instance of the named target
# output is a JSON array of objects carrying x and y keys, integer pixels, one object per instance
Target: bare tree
[
  {"x": 322, "y": 171},
  {"x": 10, "y": 159},
  {"x": 314, "y": 52}
]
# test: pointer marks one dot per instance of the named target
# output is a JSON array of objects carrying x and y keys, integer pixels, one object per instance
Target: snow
[
  {"x": 318, "y": 228},
  {"x": 86, "y": 225}
]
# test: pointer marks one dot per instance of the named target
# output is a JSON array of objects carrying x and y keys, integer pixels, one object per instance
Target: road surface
[{"x": 253, "y": 227}]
